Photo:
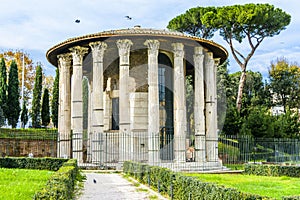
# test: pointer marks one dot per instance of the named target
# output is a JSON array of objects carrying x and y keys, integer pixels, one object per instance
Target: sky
[{"x": 34, "y": 26}]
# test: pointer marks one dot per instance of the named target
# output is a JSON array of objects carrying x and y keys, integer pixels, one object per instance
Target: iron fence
[
  {"x": 112, "y": 148},
  {"x": 242, "y": 149}
]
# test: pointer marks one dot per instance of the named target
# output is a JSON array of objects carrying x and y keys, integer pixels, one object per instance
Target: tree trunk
[{"x": 240, "y": 91}]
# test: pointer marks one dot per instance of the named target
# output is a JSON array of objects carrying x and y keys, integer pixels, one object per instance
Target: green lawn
[
  {"x": 275, "y": 187},
  {"x": 21, "y": 183}
]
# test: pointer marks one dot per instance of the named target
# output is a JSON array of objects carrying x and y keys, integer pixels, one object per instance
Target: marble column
[
  {"x": 64, "y": 124},
  {"x": 210, "y": 108},
  {"x": 153, "y": 102},
  {"x": 124, "y": 103},
  {"x": 180, "y": 123},
  {"x": 199, "y": 104},
  {"x": 76, "y": 96},
  {"x": 98, "y": 49}
]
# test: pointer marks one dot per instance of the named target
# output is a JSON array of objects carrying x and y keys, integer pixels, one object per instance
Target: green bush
[
  {"x": 272, "y": 170},
  {"x": 29, "y": 134},
  {"x": 61, "y": 184},
  {"x": 180, "y": 186},
  {"x": 52, "y": 164}
]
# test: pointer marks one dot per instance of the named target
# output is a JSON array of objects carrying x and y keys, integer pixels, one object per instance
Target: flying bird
[
  {"x": 94, "y": 180},
  {"x": 129, "y": 18},
  {"x": 77, "y": 21}
]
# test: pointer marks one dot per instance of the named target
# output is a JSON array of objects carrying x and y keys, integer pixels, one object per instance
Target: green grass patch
[
  {"x": 275, "y": 187},
  {"x": 235, "y": 166},
  {"x": 21, "y": 183}
]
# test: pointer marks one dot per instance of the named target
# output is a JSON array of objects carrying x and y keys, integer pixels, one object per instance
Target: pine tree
[
  {"x": 13, "y": 95},
  {"x": 3, "y": 87},
  {"x": 55, "y": 98},
  {"x": 36, "y": 101},
  {"x": 24, "y": 114},
  {"x": 45, "y": 108}
]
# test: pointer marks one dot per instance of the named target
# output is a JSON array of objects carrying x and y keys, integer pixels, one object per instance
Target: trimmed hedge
[
  {"x": 52, "y": 164},
  {"x": 179, "y": 186},
  {"x": 272, "y": 170},
  {"x": 61, "y": 184}
]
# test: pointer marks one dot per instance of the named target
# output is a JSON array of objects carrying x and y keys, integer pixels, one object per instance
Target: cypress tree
[
  {"x": 24, "y": 114},
  {"x": 13, "y": 96},
  {"x": 36, "y": 101},
  {"x": 45, "y": 108},
  {"x": 2, "y": 118},
  {"x": 3, "y": 88},
  {"x": 54, "y": 103}
]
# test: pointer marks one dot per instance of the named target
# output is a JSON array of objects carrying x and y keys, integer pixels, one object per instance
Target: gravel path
[{"x": 111, "y": 187}]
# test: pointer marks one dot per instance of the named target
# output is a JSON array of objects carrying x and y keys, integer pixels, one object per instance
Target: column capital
[
  {"x": 153, "y": 46},
  {"x": 198, "y": 56},
  {"x": 98, "y": 49},
  {"x": 210, "y": 55},
  {"x": 124, "y": 47},
  {"x": 199, "y": 50},
  {"x": 78, "y": 52},
  {"x": 178, "y": 49},
  {"x": 217, "y": 61},
  {"x": 65, "y": 58}
]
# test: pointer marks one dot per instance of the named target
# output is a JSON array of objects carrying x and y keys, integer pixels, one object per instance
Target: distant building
[{"x": 137, "y": 95}]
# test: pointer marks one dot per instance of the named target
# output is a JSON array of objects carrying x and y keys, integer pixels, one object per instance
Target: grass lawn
[
  {"x": 275, "y": 187},
  {"x": 21, "y": 183}
]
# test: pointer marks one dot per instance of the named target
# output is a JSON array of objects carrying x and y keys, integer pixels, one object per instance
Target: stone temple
[{"x": 138, "y": 106}]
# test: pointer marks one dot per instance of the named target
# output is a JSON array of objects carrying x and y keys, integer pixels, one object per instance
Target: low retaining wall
[{"x": 23, "y": 147}]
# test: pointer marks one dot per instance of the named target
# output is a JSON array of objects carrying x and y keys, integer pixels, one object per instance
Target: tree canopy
[
  {"x": 54, "y": 102},
  {"x": 29, "y": 70},
  {"x": 24, "y": 114},
  {"x": 13, "y": 95},
  {"x": 285, "y": 83},
  {"x": 190, "y": 23},
  {"x": 45, "y": 112},
  {"x": 36, "y": 101},
  {"x": 3, "y": 88},
  {"x": 249, "y": 23}
]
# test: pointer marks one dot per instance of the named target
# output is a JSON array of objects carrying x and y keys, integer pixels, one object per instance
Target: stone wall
[{"x": 18, "y": 147}]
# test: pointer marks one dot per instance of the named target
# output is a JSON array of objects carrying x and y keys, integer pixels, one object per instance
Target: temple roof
[{"x": 63, "y": 47}]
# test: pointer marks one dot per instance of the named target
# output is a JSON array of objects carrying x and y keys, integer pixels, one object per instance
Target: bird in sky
[
  {"x": 77, "y": 21},
  {"x": 129, "y": 18}
]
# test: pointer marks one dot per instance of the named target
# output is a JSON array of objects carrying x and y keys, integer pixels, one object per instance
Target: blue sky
[{"x": 35, "y": 26}]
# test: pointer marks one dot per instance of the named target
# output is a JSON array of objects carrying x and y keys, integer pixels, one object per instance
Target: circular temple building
[{"x": 138, "y": 94}]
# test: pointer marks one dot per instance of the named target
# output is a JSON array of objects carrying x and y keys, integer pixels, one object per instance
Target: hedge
[
  {"x": 179, "y": 186},
  {"x": 52, "y": 164},
  {"x": 272, "y": 170},
  {"x": 61, "y": 184}
]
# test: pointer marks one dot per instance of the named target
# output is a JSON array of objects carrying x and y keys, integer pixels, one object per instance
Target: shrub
[
  {"x": 179, "y": 186},
  {"x": 52, "y": 164},
  {"x": 272, "y": 170},
  {"x": 61, "y": 184}
]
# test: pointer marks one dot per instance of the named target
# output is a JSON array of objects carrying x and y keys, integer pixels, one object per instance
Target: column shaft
[
  {"x": 65, "y": 106},
  {"x": 199, "y": 105},
  {"x": 98, "y": 49},
  {"x": 77, "y": 112},
  {"x": 124, "y": 103},
  {"x": 153, "y": 102},
  {"x": 210, "y": 107},
  {"x": 180, "y": 125}
]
